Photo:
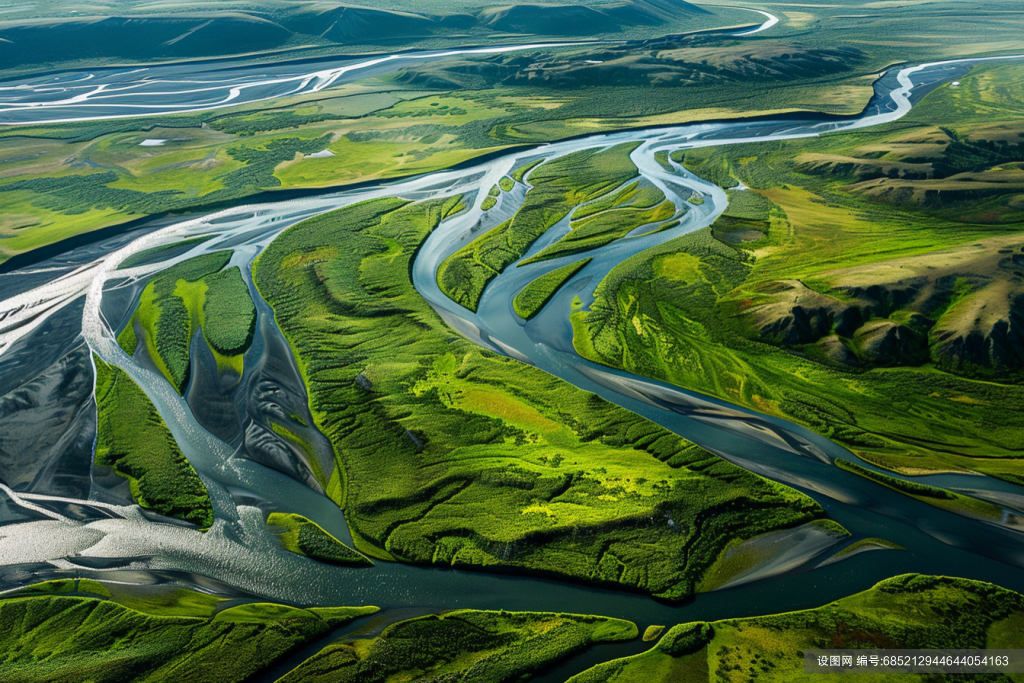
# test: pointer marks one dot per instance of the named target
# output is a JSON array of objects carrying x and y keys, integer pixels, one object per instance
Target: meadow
[
  {"x": 454, "y": 456},
  {"x": 134, "y": 442}
]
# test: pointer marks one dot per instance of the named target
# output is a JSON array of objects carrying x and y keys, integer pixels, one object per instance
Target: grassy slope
[
  {"x": 76, "y": 634},
  {"x": 687, "y": 311},
  {"x": 533, "y": 296},
  {"x": 193, "y": 294},
  {"x": 909, "y": 611},
  {"x": 465, "y": 645},
  {"x": 456, "y": 456},
  {"x": 557, "y": 186},
  {"x": 133, "y": 440},
  {"x": 305, "y": 537}
]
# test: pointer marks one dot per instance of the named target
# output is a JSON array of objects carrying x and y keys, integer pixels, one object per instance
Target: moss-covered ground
[
  {"x": 454, "y": 456},
  {"x": 533, "y": 296},
  {"x": 909, "y": 611},
  {"x": 58, "y": 181},
  {"x": 302, "y": 536},
  {"x": 133, "y": 440},
  {"x": 197, "y": 293}
]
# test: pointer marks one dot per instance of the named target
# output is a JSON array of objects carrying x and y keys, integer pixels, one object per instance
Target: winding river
[{"x": 82, "y": 298}]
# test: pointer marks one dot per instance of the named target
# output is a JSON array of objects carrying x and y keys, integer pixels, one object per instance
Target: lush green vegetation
[
  {"x": 133, "y": 440},
  {"x": 78, "y": 634},
  {"x": 300, "y": 535},
  {"x": 536, "y": 294},
  {"x": 451, "y": 455},
  {"x": 830, "y": 296},
  {"x": 909, "y": 611},
  {"x": 557, "y": 186},
  {"x": 197, "y": 293},
  {"x": 229, "y": 316},
  {"x": 464, "y": 645}
]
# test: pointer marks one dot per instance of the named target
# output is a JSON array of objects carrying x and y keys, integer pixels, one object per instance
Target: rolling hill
[{"x": 62, "y": 35}]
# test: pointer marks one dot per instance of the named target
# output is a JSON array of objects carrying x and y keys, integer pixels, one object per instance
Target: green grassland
[
  {"x": 909, "y": 611},
  {"x": 76, "y": 633},
  {"x": 302, "y": 536},
  {"x": 133, "y": 440},
  {"x": 464, "y": 645},
  {"x": 839, "y": 293},
  {"x": 193, "y": 294},
  {"x": 556, "y": 187},
  {"x": 528, "y": 302},
  {"x": 58, "y": 181},
  {"x": 454, "y": 456}
]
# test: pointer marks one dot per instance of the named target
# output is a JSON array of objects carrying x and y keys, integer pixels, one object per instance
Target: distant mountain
[{"x": 194, "y": 33}]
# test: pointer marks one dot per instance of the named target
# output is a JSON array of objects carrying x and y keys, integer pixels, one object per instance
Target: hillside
[{"x": 62, "y": 35}]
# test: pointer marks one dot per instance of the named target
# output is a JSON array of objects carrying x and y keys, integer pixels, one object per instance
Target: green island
[
  {"x": 451, "y": 455},
  {"x": 305, "y": 537},
  {"x": 134, "y": 442},
  {"x": 910, "y": 611},
  {"x": 466, "y": 645},
  {"x": 536, "y": 294},
  {"x": 197, "y": 293},
  {"x": 866, "y": 275}
]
